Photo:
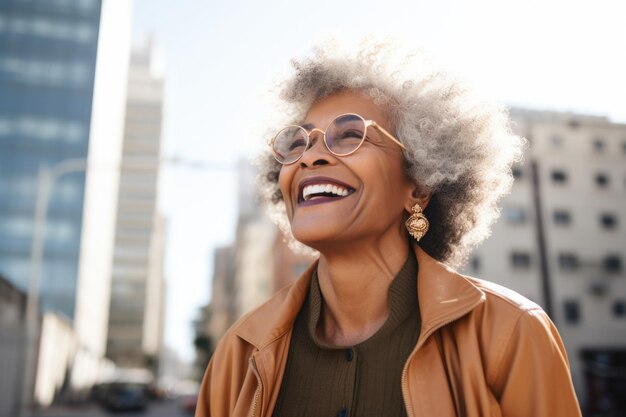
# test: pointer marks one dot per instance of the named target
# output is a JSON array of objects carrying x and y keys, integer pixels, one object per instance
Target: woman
[{"x": 392, "y": 173}]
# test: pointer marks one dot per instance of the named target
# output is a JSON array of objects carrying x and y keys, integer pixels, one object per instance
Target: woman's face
[{"x": 376, "y": 189}]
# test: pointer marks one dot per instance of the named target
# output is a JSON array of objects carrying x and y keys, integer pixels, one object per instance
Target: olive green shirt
[{"x": 323, "y": 380}]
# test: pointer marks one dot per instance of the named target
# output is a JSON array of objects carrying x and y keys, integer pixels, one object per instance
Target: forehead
[{"x": 325, "y": 110}]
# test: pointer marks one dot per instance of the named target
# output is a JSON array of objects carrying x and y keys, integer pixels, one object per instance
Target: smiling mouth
[{"x": 320, "y": 192}]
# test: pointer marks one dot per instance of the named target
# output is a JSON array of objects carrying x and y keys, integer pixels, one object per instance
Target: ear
[{"x": 420, "y": 195}]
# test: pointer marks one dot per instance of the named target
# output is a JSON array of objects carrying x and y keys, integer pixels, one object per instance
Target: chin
[
  {"x": 312, "y": 239},
  {"x": 314, "y": 236}
]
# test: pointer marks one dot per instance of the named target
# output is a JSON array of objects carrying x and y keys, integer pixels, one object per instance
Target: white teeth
[{"x": 309, "y": 191}]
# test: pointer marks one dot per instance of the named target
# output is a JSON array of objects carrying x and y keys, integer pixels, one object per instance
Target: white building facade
[
  {"x": 135, "y": 323},
  {"x": 561, "y": 240}
]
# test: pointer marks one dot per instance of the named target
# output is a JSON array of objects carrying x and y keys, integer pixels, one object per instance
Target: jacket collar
[{"x": 444, "y": 296}]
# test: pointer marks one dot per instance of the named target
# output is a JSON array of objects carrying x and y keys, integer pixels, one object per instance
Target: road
[{"x": 168, "y": 408}]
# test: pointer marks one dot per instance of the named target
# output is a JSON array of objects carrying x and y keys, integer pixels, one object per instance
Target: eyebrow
[{"x": 308, "y": 126}]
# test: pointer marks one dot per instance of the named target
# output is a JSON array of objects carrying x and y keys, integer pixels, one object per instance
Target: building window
[
  {"x": 48, "y": 29},
  {"x": 517, "y": 173},
  {"x": 475, "y": 263},
  {"x": 515, "y": 215},
  {"x": 561, "y": 217},
  {"x": 47, "y": 73},
  {"x": 599, "y": 145},
  {"x": 608, "y": 221},
  {"x": 520, "y": 260},
  {"x": 44, "y": 129},
  {"x": 602, "y": 180},
  {"x": 612, "y": 264},
  {"x": 572, "y": 311},
  {"x": 573, "y": 123},
  {"x": 559, "y": 176},
  {"x": 568, "y": 262},
  {"x": 557, "y": 141},
  {"x": 619, "y": 309}
]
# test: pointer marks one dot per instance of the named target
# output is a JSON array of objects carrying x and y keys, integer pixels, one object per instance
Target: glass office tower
[{"x": 47, "y": 68}]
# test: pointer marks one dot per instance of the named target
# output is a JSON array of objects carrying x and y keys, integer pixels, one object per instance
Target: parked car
[{"x": 123, "y": 396}]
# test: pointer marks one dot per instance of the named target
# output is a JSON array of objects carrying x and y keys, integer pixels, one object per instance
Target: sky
[{"x": 220, "y": 56}]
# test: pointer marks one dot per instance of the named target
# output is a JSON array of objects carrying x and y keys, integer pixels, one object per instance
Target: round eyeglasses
[{"x": 343, "y": 136}]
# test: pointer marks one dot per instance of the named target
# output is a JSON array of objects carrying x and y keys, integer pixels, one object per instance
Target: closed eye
[
  {"x": 297, "y": 143},
  {"x": 351, "y": 134}
]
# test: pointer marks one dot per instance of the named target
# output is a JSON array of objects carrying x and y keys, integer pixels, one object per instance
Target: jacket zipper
[
  {"x": 259, "y": 389},
  {"x": 405, "y": 381}
]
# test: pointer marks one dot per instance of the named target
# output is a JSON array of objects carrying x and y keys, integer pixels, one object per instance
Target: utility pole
[{"x": 541, "y": 240}]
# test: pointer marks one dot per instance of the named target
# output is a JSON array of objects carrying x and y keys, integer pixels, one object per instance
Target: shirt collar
[{"x": 401, "y": 300}]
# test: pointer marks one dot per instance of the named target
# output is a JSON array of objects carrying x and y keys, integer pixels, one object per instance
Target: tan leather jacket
[{"x": 483, "y": 351}]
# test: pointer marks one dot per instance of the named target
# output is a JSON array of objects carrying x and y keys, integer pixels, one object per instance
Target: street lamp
[{"x": 45, "y": 180}]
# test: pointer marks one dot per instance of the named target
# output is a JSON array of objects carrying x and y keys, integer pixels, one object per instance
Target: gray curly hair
[{"x": 458, "y": 148}]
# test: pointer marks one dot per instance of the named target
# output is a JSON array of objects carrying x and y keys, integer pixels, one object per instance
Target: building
[
  {"x": 137, "y": 285},
  {"x": 242, "y": 272},
  {"x": 63, "y": 69},
  {"x": 12, "y": 312},
  {"x": 223, "y": 311},
  {"x": 254, "y": 263},
  {"x": 561, "y": 240},
  {"x": 216, "y": 317},
  {"x": 253, "y": 258}
]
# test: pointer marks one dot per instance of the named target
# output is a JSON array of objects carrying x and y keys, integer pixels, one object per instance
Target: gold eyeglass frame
[{"x": 366, "y": 123}]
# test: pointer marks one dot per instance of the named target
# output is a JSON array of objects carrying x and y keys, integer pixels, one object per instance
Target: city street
[{"x": 168, "y": 408}]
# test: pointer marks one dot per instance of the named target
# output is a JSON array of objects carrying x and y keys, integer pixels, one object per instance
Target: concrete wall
[{"x": 12, "y": 334}]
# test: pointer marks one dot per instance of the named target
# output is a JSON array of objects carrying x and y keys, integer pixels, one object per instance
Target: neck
[{"x": 354, "y": 284}]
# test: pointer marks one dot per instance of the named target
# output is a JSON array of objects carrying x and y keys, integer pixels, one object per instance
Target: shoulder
[
  {"x": 511, "y": 314},
  {"x": 528, "y": 368},
  {"x": 504, "y": 312},
  {"x": 264, "y": 317},
  {"x": 229, "y": 378},
  {"x": 500, "y": 295},
  {"x": 248, "y": 335},
  {"x": 515, "y": 324}
]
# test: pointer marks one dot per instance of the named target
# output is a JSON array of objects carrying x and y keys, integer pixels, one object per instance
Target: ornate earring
[{"x": 417, "y": 224}]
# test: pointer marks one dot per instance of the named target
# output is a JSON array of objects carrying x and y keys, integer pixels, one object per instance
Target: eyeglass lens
[{"x": 343, "y": 136}]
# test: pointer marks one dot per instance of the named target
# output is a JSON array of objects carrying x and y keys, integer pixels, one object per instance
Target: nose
[{"x": 316, "y": 153}]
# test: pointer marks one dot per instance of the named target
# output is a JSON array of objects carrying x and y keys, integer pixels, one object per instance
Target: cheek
[
  {"x": 285, "y": 177},
  {"x": 395, "y": 182}
]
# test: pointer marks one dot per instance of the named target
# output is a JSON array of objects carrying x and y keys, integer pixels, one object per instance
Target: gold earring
[{"x": 417, "y": 224}]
